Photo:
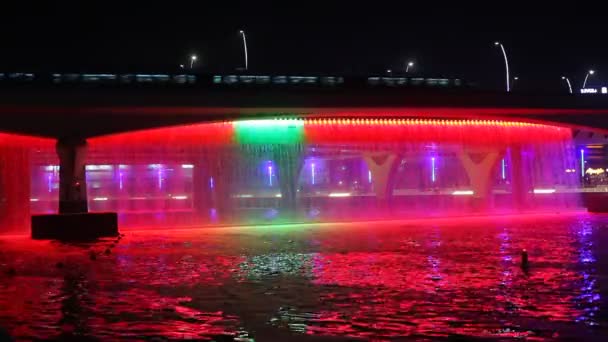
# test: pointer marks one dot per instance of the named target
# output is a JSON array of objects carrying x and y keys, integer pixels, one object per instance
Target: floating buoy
[{"x": 524, "y": 259}]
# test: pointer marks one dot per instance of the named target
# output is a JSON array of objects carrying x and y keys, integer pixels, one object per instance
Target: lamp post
[
  {"x": 242, "y": 33},
  {"x": 590, "y": 72},
  {"x": 408, "y": 66},
  {"x": 192, "y": 60},
  {"x": 568, "y": 82},
  {"x": 513, "y": 83},
  {"x": 504, "y": 53}
]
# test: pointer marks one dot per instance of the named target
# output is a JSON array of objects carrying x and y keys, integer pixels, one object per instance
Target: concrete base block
[{"x": 78, "y": 226}]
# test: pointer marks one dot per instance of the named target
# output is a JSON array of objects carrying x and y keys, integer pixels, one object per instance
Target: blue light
[
  {"x": 211, "y": 183},
  {"x": 582, "y": 163},
  {"x": 312, "y": 173},
  {"x": 270, "y": 175},
  {"x": 502, "y": 169}
]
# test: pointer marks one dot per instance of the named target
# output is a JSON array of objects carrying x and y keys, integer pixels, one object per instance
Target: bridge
[
  {"x": 73, "y": 108},
  {"x": 44, "y": 107}
]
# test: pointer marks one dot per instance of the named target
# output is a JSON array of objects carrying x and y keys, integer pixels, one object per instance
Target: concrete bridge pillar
[
  {"x": 14, "y": 195},
  {"x": 289, "y": 159},
  {"x": 520, "y": 187},
  {"x": 72, "y": 180},
  {"x": 479, "y": 164},
  {"x": 73, "y": 220},
  {"x": 383, "y": 166}
]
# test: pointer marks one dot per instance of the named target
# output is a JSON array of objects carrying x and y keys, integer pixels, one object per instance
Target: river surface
[{"x": 424, "y": 279}]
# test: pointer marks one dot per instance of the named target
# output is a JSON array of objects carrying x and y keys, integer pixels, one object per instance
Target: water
[
  {"x": 422, "y": 278},
  {"x": 317, "y": 170}
]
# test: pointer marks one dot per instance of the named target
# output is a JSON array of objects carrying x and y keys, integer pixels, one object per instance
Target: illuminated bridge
[{"x": 176, "y": 150}]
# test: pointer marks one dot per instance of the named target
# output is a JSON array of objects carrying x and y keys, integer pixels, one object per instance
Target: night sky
[{"x": 300, "y": 38}]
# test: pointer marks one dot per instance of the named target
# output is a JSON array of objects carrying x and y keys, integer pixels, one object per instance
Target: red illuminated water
[
  {"x": 426, "y": 279},
  {"x": 320, "y": 170}
]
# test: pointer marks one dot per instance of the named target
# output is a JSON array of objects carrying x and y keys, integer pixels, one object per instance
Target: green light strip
[{"x": 269, "y": 131}]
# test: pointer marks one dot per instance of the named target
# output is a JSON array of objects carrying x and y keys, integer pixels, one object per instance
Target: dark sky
[{"x": 299, "y": 37}]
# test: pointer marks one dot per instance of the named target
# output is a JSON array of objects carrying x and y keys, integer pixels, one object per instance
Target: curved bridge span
[
  {"x": 326, "y": 154},
  {"x": 76, "y": 112}
]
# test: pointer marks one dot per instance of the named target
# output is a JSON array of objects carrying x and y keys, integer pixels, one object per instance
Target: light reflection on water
[{"x": 428, "y": 279}]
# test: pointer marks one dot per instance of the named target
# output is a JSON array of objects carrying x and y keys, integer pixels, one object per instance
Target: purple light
[
  {"x": 160, "y": 178},
  {"x": 50, "y": 182},
  {"x": 211, "y": 183},
  {"x": 433, "y": 169},
  {"x": 120, "y": 180},
  {"x": 312, "y": 173},
  {"x": 369, "y": 176}
]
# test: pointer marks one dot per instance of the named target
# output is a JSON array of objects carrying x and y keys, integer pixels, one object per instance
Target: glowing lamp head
[
  {"x": 193, "y": 57},
  {"x": 563, "y": 77},
  {"x": 389, "y": 70},
  {"x": 241, "y": 31},
  {"x": 410, "y": 64},
  {"x": 516, "y": 78},
  {"x": 496, "y": 43},
  {"x": 591, "y": 72}
]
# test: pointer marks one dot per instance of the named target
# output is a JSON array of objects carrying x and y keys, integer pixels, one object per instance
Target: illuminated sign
[
  {"x": 603, "y": 90},
  {"x": 588, "y": 91}
]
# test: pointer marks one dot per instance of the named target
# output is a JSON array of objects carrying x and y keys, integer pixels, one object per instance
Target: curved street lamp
[
  {"x": 590, "y": 72},
  {"x": 192, "y": 60},
  {"x": 568, "y": 81},
  {"x": 242, "y": 33},
  {"x": 408, "y": 66},
  {"x": 504, "y": 53}
]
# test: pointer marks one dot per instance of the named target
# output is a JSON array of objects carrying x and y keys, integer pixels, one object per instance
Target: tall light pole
[
  {"x": 568, "y": 81},
  {"x": 515, "y": 78},
  {"x": 590, "y": 72},
  {"x": 192, "y": 60},
  {"x": 245, "y": 48},
  {"x": 504, "y": 53},
  {"x": 408, "y": 66}
]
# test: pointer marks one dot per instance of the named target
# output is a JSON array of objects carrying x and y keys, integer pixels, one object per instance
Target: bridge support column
[
  {"x": 14, "y": 195},
  {"x": 289, "y": 159},
  {"x": 519, "y": 186},
  {"x": 73, "y": 220},
  {"x": 479, "y": 164},
  {"x": 383, "y": 166},
  {"x": 72, "y": 180}
]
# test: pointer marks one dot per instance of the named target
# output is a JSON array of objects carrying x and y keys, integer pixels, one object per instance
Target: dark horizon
[{"x": 333, "y": 39}]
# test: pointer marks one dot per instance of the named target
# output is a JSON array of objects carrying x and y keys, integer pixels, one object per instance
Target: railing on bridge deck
[{"x": 226, "y": 80}]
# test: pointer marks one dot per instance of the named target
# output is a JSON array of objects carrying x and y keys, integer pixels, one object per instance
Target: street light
[
  {"x": 408, "y": 66},
  {"x": 515, "y": 78},
  {"x": 590, "y": 72},
  {"x": 181, "y": 66},
  {"x": 192, "y": 60},
  {"x": 242, "y": 33},
  {"x": 389, "y": 71},
  {"x": 568, "y": 81},
  {"x": 504, "y": 53}
]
